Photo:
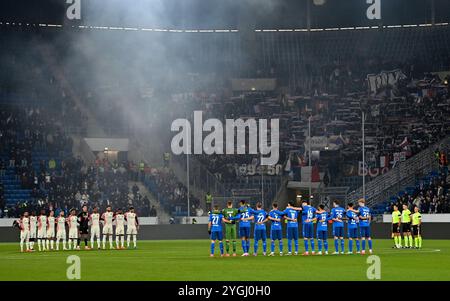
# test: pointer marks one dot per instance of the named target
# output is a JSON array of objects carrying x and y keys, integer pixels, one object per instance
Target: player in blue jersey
[
  {"x": 365, "y": 217},
  {"x": 353, "y": 221},
  {"x": 276, "y": 232},
  {"x": 244, "y": 216},
  {"x": 337, "y": 215},
  {"x": 322, "y": 218},
  {"x": 291, "y": 215},
  {"x": 260, "y": 217},
  {"x": 308, "y": 215},
  {"x": 215, "y": 229}
]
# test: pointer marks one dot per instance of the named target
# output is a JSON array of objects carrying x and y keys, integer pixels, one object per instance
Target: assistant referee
[
  {"x": 416, "y": 228},
  {"x": 396, "y": 215}
]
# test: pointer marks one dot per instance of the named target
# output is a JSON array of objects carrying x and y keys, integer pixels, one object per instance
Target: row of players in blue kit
[{"x": 356, "y": 220}]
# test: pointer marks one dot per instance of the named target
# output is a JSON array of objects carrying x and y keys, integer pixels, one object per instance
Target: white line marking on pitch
[
  {"x": 402, "y": 251},
  {"x": 399, "y": 251}
]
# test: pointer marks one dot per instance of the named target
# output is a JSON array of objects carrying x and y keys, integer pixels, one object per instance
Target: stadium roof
[{"x": 227, "y": 14}]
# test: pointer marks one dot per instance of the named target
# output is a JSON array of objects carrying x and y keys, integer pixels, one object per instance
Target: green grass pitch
[{"x": 189, "y": 260}]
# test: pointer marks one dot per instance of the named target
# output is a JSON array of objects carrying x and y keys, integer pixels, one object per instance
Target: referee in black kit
[{"x": 83, "y": 220}]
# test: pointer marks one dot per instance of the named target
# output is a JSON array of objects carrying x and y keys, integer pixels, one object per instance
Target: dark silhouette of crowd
[
  {"x": 77, "y": 184},
  {"x": 170, "y": 191},
  {"x": 431, "y": 197},
  {"x": 33, "y": 146},
  {"x": 330, "y": 87}
]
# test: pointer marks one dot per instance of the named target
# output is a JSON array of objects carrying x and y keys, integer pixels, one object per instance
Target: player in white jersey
[
  {"x": 94, "y": 219},
  {"x": 61, "y": 230},
  {"x": 108, "y": 218},
  {"x": 72, "y": 220},
  {"x": 24, "y": 226},
  {"x": 132, "y": 226},
  {"x": 33, "y": 226},
  {"x": 51, "y": 230},
  {"x": 42, "y": 230},
  {"x": 120, "y": 229}
]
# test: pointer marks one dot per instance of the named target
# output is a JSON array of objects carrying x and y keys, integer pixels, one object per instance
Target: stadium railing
[{"x": 401, "y": 176}]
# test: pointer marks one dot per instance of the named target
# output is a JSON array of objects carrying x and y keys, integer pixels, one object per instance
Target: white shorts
[
  {"x": 24, "y": 235},
  {"x": 107, "y": 229},
  {"x": 131, "y": 230},
  {"x": 50, "y": 233},
  {"x": 61, "y": 235},
  {"x": 73, "y": 233},
  {"x": 95, "y": 231},
  {"x": 33, "y": 234},
  {"x": 120, "y": 230},
  {"x": 42, "y": 233}
]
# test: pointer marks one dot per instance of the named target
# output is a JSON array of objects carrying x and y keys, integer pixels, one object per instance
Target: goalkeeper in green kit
[{"x": 229, "y": 214}]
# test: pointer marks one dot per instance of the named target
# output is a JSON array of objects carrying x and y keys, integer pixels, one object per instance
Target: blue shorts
[
  {"x": 260, "y": 234},
  {"x": 352, "y": 232},
  {"x": 322, "y": 234},
  {"x": 276, "y": 234},
  {"x": 216, "y": 235},
  {"x": 338, "y": 231},
  {"x": 244, "y": 232},
  {"x": 308, "y": 230},
  {"x": 364, "y": 231},
  {"x": 292, "y": 233}
]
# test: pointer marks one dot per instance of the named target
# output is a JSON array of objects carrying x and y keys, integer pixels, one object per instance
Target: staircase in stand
[{"x": 401, "y": 176}]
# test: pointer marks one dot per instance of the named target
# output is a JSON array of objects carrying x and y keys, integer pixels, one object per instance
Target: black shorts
[
  {"x": 84, "y": 231},
  {"x": 395, "y": 228},
  {"x": 406, "y": 227},
  {"x": 415, "y": 230}
]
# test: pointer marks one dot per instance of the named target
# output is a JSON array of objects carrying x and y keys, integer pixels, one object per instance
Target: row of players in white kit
[{"x": 42, "y": 227}]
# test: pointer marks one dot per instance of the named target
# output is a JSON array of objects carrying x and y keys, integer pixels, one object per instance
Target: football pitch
[{"x": 188, "y": 260}]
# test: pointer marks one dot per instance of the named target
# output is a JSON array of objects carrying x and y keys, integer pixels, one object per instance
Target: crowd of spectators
[
  {"x": 2, "y": 198},
  {"x": 34, "y": 147},
  {"x": 406, "y": 117},
  {"x": 171, "y": 192},
  {"x": 401, "y": 120},
  {"x": 431, "y": 197},
  {"x": 76, "y": 184},
  {"x": 23, "y": 128}
]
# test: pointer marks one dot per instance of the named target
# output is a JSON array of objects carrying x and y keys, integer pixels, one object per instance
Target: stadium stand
[
  {"x": 170, "y": 192},
  {"x": 39, "y": 171},
  {"x": 398, "y": 126},
  {"x": 321, "y": 74},
  {"x": 431, "y": 194}
]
